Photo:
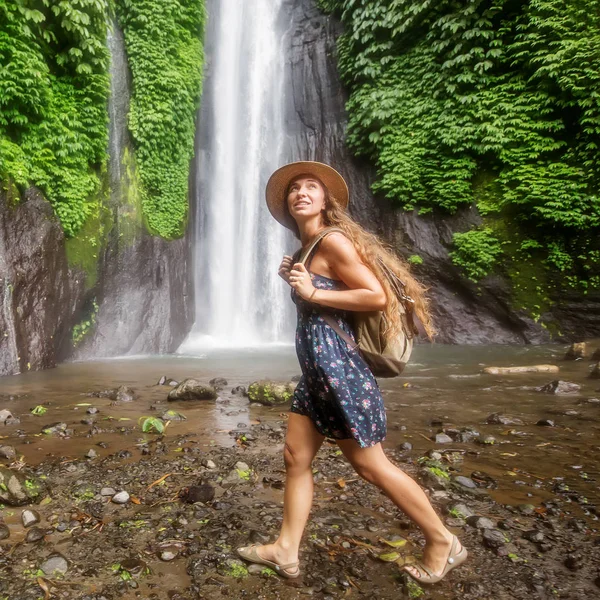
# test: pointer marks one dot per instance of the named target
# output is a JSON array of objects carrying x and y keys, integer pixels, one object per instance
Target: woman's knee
[
  {"x": 367, "y": 471},
  {"x": 296, "y": 459}
]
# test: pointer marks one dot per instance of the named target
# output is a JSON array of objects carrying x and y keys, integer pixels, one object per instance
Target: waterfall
[
  {"x": 240, "y": 300},
  {"x": 118, "y": 108}
]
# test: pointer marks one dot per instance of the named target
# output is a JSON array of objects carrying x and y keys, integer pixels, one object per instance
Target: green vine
[
  {"x": 446, "y": 95},
  {"x": 164, "y": 41},
  {"x": 53, "y": 92}
]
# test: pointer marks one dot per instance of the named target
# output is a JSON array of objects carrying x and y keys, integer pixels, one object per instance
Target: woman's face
[{"x": 306, "y": 198}]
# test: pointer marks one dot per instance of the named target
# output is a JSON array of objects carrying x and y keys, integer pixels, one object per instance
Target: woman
[{"x": 338, "y": 396}]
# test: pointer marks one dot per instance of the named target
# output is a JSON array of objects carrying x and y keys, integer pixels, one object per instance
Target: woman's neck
[{"x": 309, "y": 230}]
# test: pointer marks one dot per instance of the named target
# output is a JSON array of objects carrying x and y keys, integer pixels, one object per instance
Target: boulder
[
  {"x": 559, "y": 387},
  {"x": 270, "y": 393},
  {"x": 576, "y": 351},
  {"x": 18, "y": 490},
  {"x": 192, "y": 389}
]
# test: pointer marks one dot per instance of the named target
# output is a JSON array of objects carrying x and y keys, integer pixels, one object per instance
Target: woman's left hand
[{"x": 300, "y": 280}]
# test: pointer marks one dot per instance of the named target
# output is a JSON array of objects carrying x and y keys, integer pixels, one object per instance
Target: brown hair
[{"x": 371, "y": 251}]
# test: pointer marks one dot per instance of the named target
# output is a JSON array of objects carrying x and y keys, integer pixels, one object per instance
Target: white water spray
[{"x": 240, "y": 300}]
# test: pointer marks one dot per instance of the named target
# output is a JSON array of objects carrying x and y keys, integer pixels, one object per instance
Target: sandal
[
  {"x": 427, "y": 576},
  {"x": 250, "y": 554}
]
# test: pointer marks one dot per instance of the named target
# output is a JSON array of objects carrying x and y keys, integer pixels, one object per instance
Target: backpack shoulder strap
[{"x": 323, "y": 233}]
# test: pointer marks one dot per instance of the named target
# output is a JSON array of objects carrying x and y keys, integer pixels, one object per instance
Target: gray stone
[
  {"x": 218, "y": 382},
  {"x": 16, "y": 489},
  {"x": 559, "y": 387},
  {"x": 545, "y": 423},
  {"x": 534, "y": 536},
  {"x": 91, "y": 453},
  {"x": 124, "y": 394},
  {"x": 442, "y": 438},
  {"x": 465, "y": 482},
  {"x": 30, "y": 517},
  {"x": 209, "y": 464},
  {"x": 493, "y": 538},
  {"x": 35, "y": 534},
  {"x": 595, "y": 372},
  {"x": 168, "y": 555},
  {"x": 481, "y": 522},
  {"x": 192, "y": 389},
  {"x": 4, "y": 532},
  {"x": 121, "y": 498},
  {"x": 108, "y": 491},
  {"x": 55, "y": 565},
  {"x": 4, "y": 415},
  {"x": 461, "y": 510},
  {"x": 8, "y": 452},
  {"x": 92, "y": 410}
]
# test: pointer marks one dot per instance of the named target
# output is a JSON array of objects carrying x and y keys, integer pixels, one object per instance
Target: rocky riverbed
[{"x": 108, "y": 511}]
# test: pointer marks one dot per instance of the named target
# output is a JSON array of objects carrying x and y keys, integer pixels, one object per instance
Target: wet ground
[{"x": 537, "y": 484}]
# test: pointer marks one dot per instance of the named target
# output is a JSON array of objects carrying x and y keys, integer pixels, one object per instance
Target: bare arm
[{"x": 365, "y": 292}]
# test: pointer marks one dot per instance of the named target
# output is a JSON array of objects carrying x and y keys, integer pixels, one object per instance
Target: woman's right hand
[{"x": 285, "y": 267}]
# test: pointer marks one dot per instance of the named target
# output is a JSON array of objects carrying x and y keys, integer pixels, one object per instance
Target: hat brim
[{"x": 280, "y": 180}]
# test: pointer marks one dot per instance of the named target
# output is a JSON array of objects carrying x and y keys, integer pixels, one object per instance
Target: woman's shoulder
[{"x": 338, "y": 244}]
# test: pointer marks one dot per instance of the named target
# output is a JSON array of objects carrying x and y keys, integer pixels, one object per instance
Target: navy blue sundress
[{"x": 337, "y": 390}]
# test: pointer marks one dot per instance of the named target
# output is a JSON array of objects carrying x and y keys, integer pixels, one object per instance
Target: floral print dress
[{"x": 337, "y": 390}]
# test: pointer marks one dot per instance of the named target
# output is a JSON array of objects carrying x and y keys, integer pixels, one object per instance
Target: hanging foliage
[
  {"x": 489, "y": 102},
  {"x": 164, "y": 47}
]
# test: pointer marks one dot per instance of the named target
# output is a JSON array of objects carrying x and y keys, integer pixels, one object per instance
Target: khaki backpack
[{"x": 385, "y": 359}]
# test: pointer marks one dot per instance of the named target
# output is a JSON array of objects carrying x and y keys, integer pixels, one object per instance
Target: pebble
[
  {"x": 545, "y": 423},
  {"x": 168, "y": 555},
  {"x": 91, "y": 453},
  {"x": 465, "y": 482},
  {"x": 442, "y": 438},
  {"x": 121, "y": 498},
  {"x": 35, "y": 534},
  {"x": 92, "y": 410},
  {"x": 462, "y": 509},
  {"x": 108, "y": 491},
  {"x": 4, "y": 531},
  {"x": 209, "y": 464},
  {"x": 534, "y": 535},
  {"x": 405, "y": 446},
  {"x": 30, "y": 517},
  {"x": 492, "y": 538},
  {"x": 55, "y": 564},
  {"x": 481, "y": 522},
  {"x": 256, "y": 569},
  {"x": 526, "y": 509}
]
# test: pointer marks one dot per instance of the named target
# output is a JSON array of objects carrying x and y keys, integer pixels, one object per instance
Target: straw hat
[{"x": 280, "y": 180}]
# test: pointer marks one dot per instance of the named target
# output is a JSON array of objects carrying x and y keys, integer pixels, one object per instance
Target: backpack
[{"x": 385, "y": 359}]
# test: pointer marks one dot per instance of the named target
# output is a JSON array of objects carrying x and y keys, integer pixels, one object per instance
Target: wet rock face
[
  {"x": 39, "y": 293},
  {"x": 463, "y": 312},
  {"x": 146, "y": 298}
]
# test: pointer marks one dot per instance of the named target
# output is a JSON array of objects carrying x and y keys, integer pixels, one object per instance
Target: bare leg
[
  {"x": 373, "y": 465},
  {"x": 302, "y": 443}
]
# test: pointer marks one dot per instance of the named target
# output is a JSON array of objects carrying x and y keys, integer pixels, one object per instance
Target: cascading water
[{"x": 240, "y": 300}]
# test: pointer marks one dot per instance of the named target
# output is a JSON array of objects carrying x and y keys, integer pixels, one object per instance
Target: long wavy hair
[{"x": 373, "y": 252}]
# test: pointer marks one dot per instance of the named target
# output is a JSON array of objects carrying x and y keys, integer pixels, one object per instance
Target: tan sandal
[
  {"x": 250, "y": 554},
  {"x": 427, "y": 576}
]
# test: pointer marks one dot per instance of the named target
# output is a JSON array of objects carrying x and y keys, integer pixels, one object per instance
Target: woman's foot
[
  {"x": 436, "y": 558},
  {"x": 274, "y": 553}
]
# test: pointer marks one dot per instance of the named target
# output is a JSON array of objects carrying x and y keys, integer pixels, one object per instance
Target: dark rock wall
[
  {"x": 40, "y": 293},
  {"x": 145, "y": 300},
  {"x": 464, "y": 313}
]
